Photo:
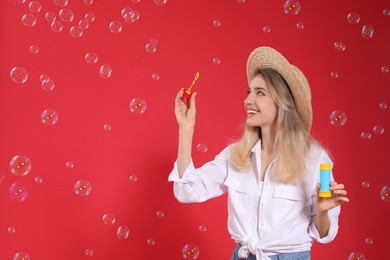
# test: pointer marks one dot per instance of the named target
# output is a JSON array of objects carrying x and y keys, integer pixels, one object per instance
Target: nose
[{"x": 248, "y": 100}]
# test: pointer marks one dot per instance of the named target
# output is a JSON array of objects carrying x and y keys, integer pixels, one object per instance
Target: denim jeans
[{"x": 304, "y": 255}]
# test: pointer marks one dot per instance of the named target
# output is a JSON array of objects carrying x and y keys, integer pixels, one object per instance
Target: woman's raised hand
[{"x": 185, "y": 110}]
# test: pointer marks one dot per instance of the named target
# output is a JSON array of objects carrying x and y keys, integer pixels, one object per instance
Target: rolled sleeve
[{"x": 333, "y": 228}]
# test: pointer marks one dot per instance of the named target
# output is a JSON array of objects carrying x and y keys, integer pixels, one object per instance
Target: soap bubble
[
  {"x": 123, "y": 232},
  {"x": 150, "y": 47},
  {"x": 35, "y": 6},
  {"x": 48, "y": 85},
  {"x": 133, "y": 178},
  {"x": 20, "y": 1},
  {"x": 216, "y": 60},
  {"x": 49, "y": 117},
  {"x": 50, "y": 17},
  {"x": 369, "y": 241},
  {"x": 353, "y": 17},
  {"x": 90, "y": 17},
  {"x": 82, "y": 188},
  {"x": 21, "y": 256},
  {"x": 241, "y": 1},
  {"x": 115, "y": 27},
  {"x": 356, "y": 256},
  {"x": 150, "y": 242},
  {"x": 89, "y": 252},
  {"x": 300, "y": 26},
  {"x": 190, "y": 251},
  {"x": 339, "y": 46},
  {"x": 61, "y": 3},
  {"x": 135, "y": 1},
  {"x": 385, "y": 69},
  {"x": 11, "y": 230},
  {"x": 128, "y": 14},
  {"x": 378, "y": 130},
  {"x": 66, "y": 15},
  {"x": 109, "y": 219},
  {"x": 34, "y": 49},
  {"x": 202, "y": 228},
  {"x": 202, "y": 148},
  {"x": 383, "y": 105},
  {"x": 137, "y": 106},
  {"x": 91, "y": 58},
  {"x": 29, "y": 20},
  {"x": 365, "y": 184},
  {"x": 56, "y": 26},
  {"x": 385, "y": 193},
  {"x": 338, "y": 118},
  {"x": 386, "y": 12},
  {"x": 19, "y": 75},
  {"x": 20, "y": 165},
  {"x": 38, "y": 180},
  {"x": 84, "y": 24},
  {"x": 367, "y": 31},
  {"x": 292, "y": 7},
  {"x": 44, "y": 77},
  {"x": 365, "y": 135},
  {"x": 156, "y": 76},
  {"x": 107, "y": 127},
  {"x": 18, "y": 192},
  {"x": 217, "y": 23},
  {"x": 160, "y": 2},
  {"x": 88, "y": 2},
  {"x": 76, "y": 31},
  {"x": 105, "y": 71},
  {"x": 69, "y": 165},
  {"x": 266, "y": 29},
  {"x": 334, "y": 74},
  {"x": 160, "y": 214}
]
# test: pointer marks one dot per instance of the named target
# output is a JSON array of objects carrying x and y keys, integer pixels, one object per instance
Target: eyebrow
[{"x": 259, "y": 88}]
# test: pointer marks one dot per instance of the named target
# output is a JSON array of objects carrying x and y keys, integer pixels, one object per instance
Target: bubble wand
[{"x": 187, "y": 93}]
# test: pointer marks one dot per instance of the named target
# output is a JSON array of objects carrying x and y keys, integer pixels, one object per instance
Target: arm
[{"x": 185, "y": 116}]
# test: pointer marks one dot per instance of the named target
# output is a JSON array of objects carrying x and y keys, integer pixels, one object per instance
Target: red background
[{"x": 55, "y": 223}]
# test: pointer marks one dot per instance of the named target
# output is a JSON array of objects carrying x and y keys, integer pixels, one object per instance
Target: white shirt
[{"x": 266, "y": 217}]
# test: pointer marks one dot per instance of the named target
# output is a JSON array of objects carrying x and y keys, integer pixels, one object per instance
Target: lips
[{"x": 252, "y": 111}]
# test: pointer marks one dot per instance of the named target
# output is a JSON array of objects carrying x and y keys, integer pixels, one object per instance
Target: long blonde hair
[{"x": 292, "y": 142}]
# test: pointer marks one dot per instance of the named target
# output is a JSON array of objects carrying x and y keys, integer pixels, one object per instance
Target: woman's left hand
[{"x": 338, "y": 197}]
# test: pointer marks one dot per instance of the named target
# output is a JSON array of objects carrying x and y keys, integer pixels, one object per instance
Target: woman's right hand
[{"x": 185, "y": 111}]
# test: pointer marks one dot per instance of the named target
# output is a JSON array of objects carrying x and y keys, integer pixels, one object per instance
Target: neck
[{"x": 268, "y": 137}]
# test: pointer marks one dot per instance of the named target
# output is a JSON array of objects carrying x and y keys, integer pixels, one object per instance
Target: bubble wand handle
[{"x": 187, "y": 93}]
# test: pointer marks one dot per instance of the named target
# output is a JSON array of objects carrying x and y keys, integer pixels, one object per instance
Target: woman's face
[{"x": 261, "y": 108}]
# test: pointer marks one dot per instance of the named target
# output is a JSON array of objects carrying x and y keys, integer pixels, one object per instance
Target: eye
[
  {"x": 248, "y": 92},
  {"x": 260, "y": 93}
]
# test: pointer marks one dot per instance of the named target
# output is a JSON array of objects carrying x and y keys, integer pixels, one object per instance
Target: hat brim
[{"x": 267, "y": 57}]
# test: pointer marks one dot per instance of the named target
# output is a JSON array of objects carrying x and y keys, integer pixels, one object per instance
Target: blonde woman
[{"x": 271, "y": 174}]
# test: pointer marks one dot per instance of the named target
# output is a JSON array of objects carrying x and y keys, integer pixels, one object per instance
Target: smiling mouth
[{"x": 252, "y": 112}]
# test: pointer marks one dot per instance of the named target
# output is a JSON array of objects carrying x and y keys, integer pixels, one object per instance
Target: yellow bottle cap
[
  {"x": 325, "y": 166},
  {"x": 325, "y": 194}
]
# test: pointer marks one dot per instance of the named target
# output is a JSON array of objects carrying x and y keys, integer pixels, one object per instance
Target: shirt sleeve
[{"x": 201, "y": 184}]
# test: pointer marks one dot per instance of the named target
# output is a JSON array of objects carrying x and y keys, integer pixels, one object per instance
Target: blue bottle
[{"x": 325, "y": 180}]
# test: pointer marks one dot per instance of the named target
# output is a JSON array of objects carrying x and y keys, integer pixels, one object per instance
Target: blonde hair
[{"x": 292, "y": 141}]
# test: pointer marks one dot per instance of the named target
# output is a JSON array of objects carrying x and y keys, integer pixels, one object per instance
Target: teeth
[{"x": 250, "y": 111}]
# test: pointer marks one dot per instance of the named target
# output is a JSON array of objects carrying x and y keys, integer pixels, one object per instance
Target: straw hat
[{"x": 267, "y": 57}]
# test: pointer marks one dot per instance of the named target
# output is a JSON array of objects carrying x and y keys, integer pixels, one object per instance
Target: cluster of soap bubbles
[
  {"x": 151, "y": 46},
  {"x": 129, "y": 15},
  {"x": 19, "y": 165},
  {"x": 367, "y": 30},
  {"x": 105, "y": 70},
  {"x": 47, "y": 82}
]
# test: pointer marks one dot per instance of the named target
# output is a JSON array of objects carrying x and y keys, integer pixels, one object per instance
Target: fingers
[
  {"x": 192, "y": 100},
  {"x": 339, "y": 192}
]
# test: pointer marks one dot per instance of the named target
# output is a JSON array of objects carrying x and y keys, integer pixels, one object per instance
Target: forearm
[
  {"x": 322, "y": 223},
  {"x": 185, "y": 148}
]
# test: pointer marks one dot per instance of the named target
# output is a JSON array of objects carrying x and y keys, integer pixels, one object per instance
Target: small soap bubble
[
  {"x": 76, "y": 31},
  {"x": 20, "y": 165},
  {"x": 38, "y": 180},
  {"x": 190, "y": 251},
  {"x": 82, "y": 188},
  {"x": 56, "y": 26},
  {"x": 217, "y": 23},
  {"x": 48, "y": 85},
  {"x": 34, "y": 49},
  {"x": 202, "y": 228},
  {"x": 160, "y": 2},
  {"x": 133, "y": 178},
  {"x": 50, "y": 17},
  {"x": 90, "y": 17},
  {"x": 353, "y": 18},
  {"x": 365, "y": 135},
  {"x": 21, "y": 256},
  {"x": 369, "y": 241},
  {"x": 378, "y": 130},
  {"x": 216, "y": 60},
  {"x": 109, "y": 219},
  {"x": 49, "y": 117},
  {"x": 84, "y": 24},
  {"x": 386, "y": 12},
  {"x": 11, "y": 230},
  {"x": 292, "y": 7},
  {"x": 127, "y": 13},
  {"x": 383, "y": 105},
  {"x": 19, "y": 75},
  {"x": 107, "y": 127},
  {"x": 367, "y": 31},
  {"x": 202, "y": 148},
  {"x": 365, "y": 184},
  {"x": 334, "y": 74},
  {"x": 266, "y": 29},
  {"x": 66, "y": 15},
  {"x": 300, "y": 26},
  {"x": 89, "y": 252},
  {"x": 156, "y": 76},
  {"x": 105, "y": 71},
  {"x": 339, "y": 46},
  {"x": 35, "y": 6},
  {"x": 88, "y": 2},
  {"x": 150, "y": 242},
  {"x": 138, "y": 106},
  {"x": 385, "y": 69},
  {"x": 135, "y": 1},
  {"x": 241, "y": 1},
  {"x": 150, "y": 47},
  {"x": 338, "y": 118},
  {"x": 61, "y": 3},
  {"x": 123, "y": 232},
  {"x": 18, "y": 192},
  {"x": 91, "y": 58},
  {"x": 2, "y": 175},
  {"x": 44, "y": 77},
  {"x": 20, "y": 1},
  {"x": 115, "y": 27},
  {"x": 385, "y": 193},
  {"x": 29, "y": 20},
  {"x": 69, "y": 165},
  {"x": 356, "y": 256},
  {"x": 160, "y": 214}
]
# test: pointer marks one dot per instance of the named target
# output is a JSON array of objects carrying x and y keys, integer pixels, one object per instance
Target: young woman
[{"x": 271, "y": 174}]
